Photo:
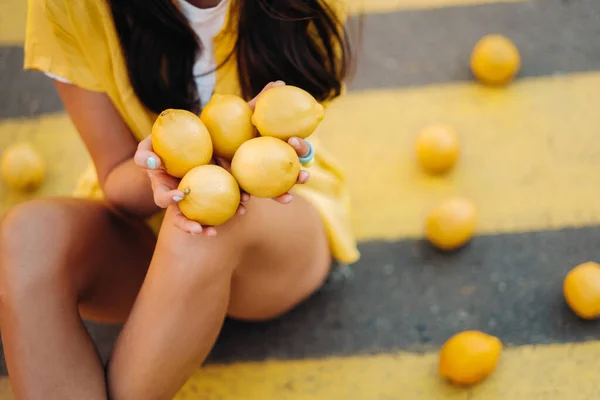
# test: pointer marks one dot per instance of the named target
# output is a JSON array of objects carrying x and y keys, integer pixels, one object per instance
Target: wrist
[{"x": 127, "y": 188}]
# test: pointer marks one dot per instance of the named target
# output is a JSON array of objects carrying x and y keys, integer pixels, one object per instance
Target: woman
[{"x": 110, "y": 254}]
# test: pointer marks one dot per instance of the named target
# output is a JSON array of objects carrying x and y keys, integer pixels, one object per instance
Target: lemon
[
  {"x": 451, "y": 224},
  {"x": 581, "y": 289},
  {"x": 265, "y": 167},
  {"x": 287, "y": 111},
  {"x": 23, "y": 168},
  {"x": 495, "y": 60},
  {"x": 212, "y": 195},
  {"x": 182, "y": 141},
  {"x": 469, "y": 357},
  {"x": 437, "y": 148},
  {"x": 229, "y": 122}
]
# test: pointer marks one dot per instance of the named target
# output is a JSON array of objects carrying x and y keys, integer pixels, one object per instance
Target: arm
[{"x": 112, "y": 147}]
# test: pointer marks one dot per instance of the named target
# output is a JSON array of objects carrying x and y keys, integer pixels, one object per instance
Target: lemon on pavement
[
  {"x": 182, "y": 141},
  {"x": 495, "y": 60},
  {"x": 212, "y": 195},
  {"x": 581, "y": 289},
  {"x": 451, "y": 224},
  {"x": 228, "y": 119},
  {"x": 437, "y": 148},
  {"x": 22, "y": 167},
  {"x": 469, "y": 357},
  {"x": 287, "y": 111},
  {"x": 265, "y": 167}
]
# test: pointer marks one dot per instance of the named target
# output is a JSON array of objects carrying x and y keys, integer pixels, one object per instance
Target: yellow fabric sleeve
[{"x": 51, "y": 44}]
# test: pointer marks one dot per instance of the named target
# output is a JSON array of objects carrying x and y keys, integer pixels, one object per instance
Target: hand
[
  {"x": 165, "y": 190},
  {"x": 300, "y": 145}
]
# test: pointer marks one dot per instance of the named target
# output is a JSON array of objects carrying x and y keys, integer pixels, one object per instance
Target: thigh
[
  {"x": 287, "y": 259},
  {"x": 97, "y": 256},
  {"x": 257, "y": 267}
]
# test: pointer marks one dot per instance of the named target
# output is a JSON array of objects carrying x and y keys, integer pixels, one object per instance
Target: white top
[{"x": 207, "y": 23}]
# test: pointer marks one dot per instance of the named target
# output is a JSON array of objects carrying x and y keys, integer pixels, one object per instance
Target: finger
[
  {"x": 300, "y": 145},
  {"x": 164, "y": 189},
  {"x": 224, "y": 163},
  {"x": 303, "y": 176},
  {"x": 244, "y": 197},
  {"x": 145, "y": 157},
  {"x": 164, "y": 198},
  {"x": 241, "y": 210},
  {"x": 284, "y": 199},
  {"x": 270, "y": 85},
  {"x": 180, "y": 221},
  {"x": 210, "y": 231},
  {"x": 145, "y": 144}
]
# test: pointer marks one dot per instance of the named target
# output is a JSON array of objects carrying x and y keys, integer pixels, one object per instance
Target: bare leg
[
  {"x": 55, "y": 254},
  {"x": 259, "y": 266}
]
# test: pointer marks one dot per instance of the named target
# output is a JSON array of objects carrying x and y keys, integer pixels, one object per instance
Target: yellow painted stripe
[
  {"x": 530, "y": 158},
  {"x": 5, "y": 392},
  {"x": 530, "y": 154},
  {"x": 58, "y": 142},
  {"x": 555, "y": 372},
  {"x": 13, "y": 14},
  {"x": 381, "y": 6}
]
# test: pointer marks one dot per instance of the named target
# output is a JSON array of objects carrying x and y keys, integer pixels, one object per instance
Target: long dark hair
[{"x": 299, "y": 41}]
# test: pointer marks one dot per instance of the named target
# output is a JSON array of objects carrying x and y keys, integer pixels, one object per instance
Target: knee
[
  {"x": 26, "y": 239},
  {"x": 199, "y": 256}
]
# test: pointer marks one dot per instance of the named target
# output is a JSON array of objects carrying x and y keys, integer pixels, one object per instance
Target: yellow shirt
[{"x": 77, "y": 41}]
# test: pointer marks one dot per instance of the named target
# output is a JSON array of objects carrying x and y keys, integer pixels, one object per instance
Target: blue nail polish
[{"x": 151, "y": 162}]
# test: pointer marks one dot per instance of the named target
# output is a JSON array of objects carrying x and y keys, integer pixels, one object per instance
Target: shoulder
[
  {"x": 60, "y": 36},
  {"x": 64, "y": 20}
]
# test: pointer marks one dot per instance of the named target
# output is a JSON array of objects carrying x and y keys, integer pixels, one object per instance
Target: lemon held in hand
[
  {"x": 181, "y": 140},
  {"x": 229, "y": 122},
  {"x": 22, "y": 167},
  {"x": 212, "y": 195},
  {"x": 581, "y": 289},
  {"x": 451, "y": 224},
  {"x": 469, "y": 357},
  {"x": 495, "y": 60},
  {"x": 437, "y": 148},
  {"x": 287, "y": 111},
  {"x": 265, "y": 167}
]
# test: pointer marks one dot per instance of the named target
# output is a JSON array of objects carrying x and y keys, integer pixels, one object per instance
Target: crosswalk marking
[
  {"x": 552, "y": 372},
  {"x": 13, "y": 15},
  {"x": 530, "y": 156},
  {"x": 521, "y": 164},
  {"x": 55, "y": 137}
]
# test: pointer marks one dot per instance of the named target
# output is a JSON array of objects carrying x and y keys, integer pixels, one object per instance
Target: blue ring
[{"x": 311, "y": 154}]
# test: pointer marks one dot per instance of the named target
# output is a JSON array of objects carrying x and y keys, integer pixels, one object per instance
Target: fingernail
[
  {"x": 295, "y": 142},
  {"x": 177, "y": 198},
  {"x": 151, "y": 162},
  {"x": 279, "y": 82}
]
